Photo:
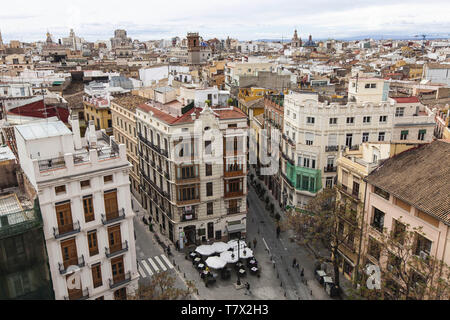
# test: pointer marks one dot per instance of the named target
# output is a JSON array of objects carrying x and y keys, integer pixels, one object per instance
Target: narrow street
[{"x": 283, "y": 252}]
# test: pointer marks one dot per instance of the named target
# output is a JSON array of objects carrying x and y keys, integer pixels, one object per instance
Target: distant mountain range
[{"x": 373, "y": 36}]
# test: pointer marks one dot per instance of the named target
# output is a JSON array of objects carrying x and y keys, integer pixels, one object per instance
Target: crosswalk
[{"x": 148, "y": 267}]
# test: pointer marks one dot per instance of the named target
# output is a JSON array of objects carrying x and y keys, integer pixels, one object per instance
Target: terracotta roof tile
[{"x": 420, "y": 177}]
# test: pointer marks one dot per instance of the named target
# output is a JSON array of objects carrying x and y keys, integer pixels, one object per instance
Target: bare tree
[
  {"x": 161, "y": 287},
  {"x": 321, "y": 223},
  {"x": 407, "y": 270}
]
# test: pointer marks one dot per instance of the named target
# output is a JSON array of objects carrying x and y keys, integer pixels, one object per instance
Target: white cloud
[{"x": 251, "y": 19}]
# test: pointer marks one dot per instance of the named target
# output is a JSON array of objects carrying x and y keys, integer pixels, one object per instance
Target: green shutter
[{"x": 422, "y": 131}]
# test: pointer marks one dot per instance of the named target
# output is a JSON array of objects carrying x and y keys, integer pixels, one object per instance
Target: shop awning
[{"x": 235, "y": 228}]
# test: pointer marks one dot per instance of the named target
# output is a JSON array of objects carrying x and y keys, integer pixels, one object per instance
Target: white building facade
[{"x": 84, "y": 194}]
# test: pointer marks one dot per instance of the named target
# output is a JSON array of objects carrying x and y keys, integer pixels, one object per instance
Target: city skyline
[{"x": 252, "y": 20}]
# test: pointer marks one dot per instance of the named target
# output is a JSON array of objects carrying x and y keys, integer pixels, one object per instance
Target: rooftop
[
  {"x": 406, "y": 99},
  {"x": 6, "y": 154},
  {"x": 42, "y": 129},
  {"x": 419, "y": 176},
  {"x": 129, "y": 101}
]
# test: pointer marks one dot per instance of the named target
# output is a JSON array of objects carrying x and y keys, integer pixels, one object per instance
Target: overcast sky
[{"x": 243, "y": 19}]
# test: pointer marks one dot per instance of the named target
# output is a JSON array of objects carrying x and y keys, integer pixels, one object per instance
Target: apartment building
[
  {"x": 192, "y": 190},
  {"x": 23, "y": 261},
  {"x": 97, "y": 109},
  {"x": 315, "y": 130},
  {"x": 353, "y": 166},
  {"x": 410, "y": 189},
  {"x": 123, "y": 115},
  {"x": 83, "y": 191},
  {"x": 273, "y": 123}
]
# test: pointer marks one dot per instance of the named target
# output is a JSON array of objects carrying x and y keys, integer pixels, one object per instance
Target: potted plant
[
  {"x": 229, "y": 101},
  {"x": 208, "y": 103}
]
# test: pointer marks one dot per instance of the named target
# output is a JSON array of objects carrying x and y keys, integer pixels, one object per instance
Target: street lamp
[{"x": 239, "y": 251}]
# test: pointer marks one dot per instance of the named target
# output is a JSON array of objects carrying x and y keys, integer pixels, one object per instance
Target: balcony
[
  {"x": 233, "y": 210},
  {"x": 188, "y": 217},
  {"x": 116, "y": 249},
  {"x": 66, "y": 230},
  {"x": 78, "y": 295},
  {"x": 331, "y": 148},
  {"x": 234, "y": 194},
  {"x": 188, "y": 179},
  {"x": 188, "y": 201},
  {"x": 119, "y": 280},
  {"x": 114, "y": 216},
  {"x": 231, "y": 174},
  {"x": 350, "y": 193},
  {"x": 50, "y": 164},
  {"x": 79, "y": 262},
  {"x": 329, "y": 169}
]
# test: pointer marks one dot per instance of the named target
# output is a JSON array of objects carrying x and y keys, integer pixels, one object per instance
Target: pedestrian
[
  {"x": 177, "y": 245},
  {"x": 278, "y": 231},
  {"x": 297, "y": 266},
  {"x": 254, "y": 243},
  {"x": 302, "y": 274},
  {"x": 294, "y": 262},
  {"x": 247, "y": 289}
]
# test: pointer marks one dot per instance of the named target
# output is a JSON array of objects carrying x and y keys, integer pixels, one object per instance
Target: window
[
  {"x": 423, "y": 246},
  {"x": 398, "y": 231},
  {"x": 348, "y": 140},
  {"x": 209, "y": 208},
  {"x": 208, "y": 150},
  {"x": 329, "y": 182},
  {"x": 365, "y": 137},
  {"x": 381, "y": 193},
  {"x": 399, "y": 111},
  {"x": 85, "y": 184},
  {"x": 310, "y": 120},
  {"x": 381, "y": 136},
  {"x": 97, "y": 275},
  {"x": 366, "y": 119},
  {"x": 92, "y": 242},
  {"x": 309, "y": 138},
  {"x": 294, "y": 116},
  {"x": 332, "y": 139},
  {"x": 60, "y": 190},
  {"x": 333, "y": 120},
  {"x": 209, "y": 189},
  {"x": 374, "y": 248},
  {"x": 378, "y": 219},
  {"x": 373, "y": 85},
  {"x": 355, "y": 190},
  {"x": 208, "y": 169},
  {"x": 421, "y": 135},
  {"x": 108, "y": 178},
  {"x": 383, "y": 118},
  {"x": 88, "y": 209},
  {"x": 404, "y": 135}
]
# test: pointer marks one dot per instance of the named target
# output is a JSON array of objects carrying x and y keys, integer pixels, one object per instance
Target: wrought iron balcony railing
[
  {"x": 116, "y": 249},
  {"x": 114, "y": 216},
  {"x": 66, "y": 230}
]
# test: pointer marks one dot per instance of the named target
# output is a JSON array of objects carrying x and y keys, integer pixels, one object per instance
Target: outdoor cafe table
[
  {"x": 241, "y": 272},
  {"x": 192, "y": 255},
  {"x": 200, "y": 266},
  {"x": 254, "y": 270},
  {"x": 197, "y": 260},
  {"x": 204, "y": 274},
  {"x": 253, "y": 262}
]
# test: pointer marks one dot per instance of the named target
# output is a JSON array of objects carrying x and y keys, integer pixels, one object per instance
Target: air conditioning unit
[{"x": 423, "y": 255}]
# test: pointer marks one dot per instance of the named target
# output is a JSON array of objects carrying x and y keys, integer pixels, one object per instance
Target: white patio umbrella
[
  {"x": 245, "y": 253},
  {"x": 220, "y": 246},
  {"x": 229, "y": 257},
  {"x": 205, "y": 250},
  {"x": 215, "y": 263},
  {"x": 235, "y": 243}
]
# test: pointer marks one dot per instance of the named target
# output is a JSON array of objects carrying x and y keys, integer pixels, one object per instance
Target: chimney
[
  {"x": 76, "y": 131},
  {"x": 91, "y": 135}
]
